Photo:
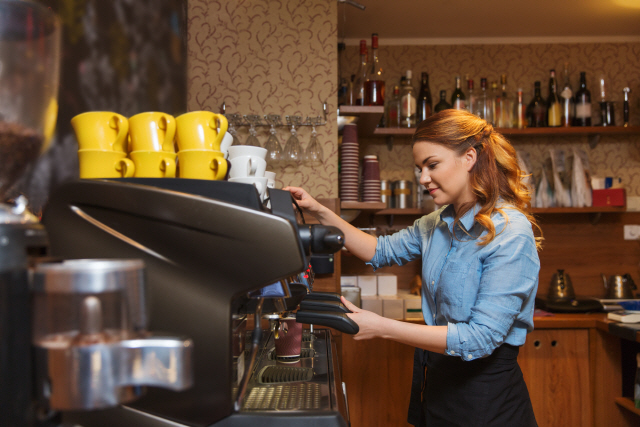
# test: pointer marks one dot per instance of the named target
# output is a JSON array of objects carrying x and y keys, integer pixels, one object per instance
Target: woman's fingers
[{"x": 349, "y": 305}]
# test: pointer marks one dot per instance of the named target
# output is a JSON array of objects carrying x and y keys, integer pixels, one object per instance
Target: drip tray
[
  {"x": 284, "y": 374},
  {"x": 284, "y": 397},
  {"x": 305, "y": 353}
]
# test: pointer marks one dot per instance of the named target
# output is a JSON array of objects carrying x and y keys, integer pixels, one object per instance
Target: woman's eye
[{"x": 432, "y": 165}]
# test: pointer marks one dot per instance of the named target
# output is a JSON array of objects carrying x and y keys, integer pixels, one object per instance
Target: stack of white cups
[{"x": 248, "y": 166}]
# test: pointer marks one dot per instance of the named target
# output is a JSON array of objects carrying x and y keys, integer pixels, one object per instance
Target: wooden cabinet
[{"x": 555, "y": 365}]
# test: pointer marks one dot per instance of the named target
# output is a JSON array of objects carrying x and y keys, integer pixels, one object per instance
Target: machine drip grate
[
  {"x": 284, "y": 374},
  {"x": 307, "y": 337},
  {"x": 284, "y": 397}
]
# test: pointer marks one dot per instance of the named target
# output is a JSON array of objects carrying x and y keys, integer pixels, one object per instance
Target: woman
[{"x": 479, "y": 275}]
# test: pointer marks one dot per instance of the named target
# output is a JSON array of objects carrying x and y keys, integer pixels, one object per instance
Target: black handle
[
  {"x": 339, "y": 321},
  {"x": 318, "y": 305},
  {"x": 323, "y": 296}
]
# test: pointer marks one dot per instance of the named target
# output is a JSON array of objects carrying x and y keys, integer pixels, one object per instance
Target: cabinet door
[
  {"x": 555, "y": 365},
  {"x": 378, "y": 377}
]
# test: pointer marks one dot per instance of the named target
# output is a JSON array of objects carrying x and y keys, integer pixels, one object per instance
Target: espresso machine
[{"x": 215, "y": 256}]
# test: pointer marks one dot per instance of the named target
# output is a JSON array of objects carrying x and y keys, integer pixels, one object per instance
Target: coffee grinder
[{"x": 29, "y": 74}]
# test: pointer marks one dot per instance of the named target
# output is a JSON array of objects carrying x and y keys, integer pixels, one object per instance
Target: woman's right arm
[{"x": 358, "y": 242}]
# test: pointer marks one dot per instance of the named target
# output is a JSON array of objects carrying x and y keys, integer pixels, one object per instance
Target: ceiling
[{"x": 487, "y": 21}]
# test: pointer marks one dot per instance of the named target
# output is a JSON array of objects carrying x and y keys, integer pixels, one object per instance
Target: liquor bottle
[
  {"x": 504, "y": 107},
  {"x": 443, "y": 104},
  {"x": 554, "y": 110},
  {"x": 472, "y": 98},
  {"x": 566, "y": 99},
  {"x": 484, "y": 110},
  {"x": 409, "y": 104},
  {"x": 494, "y": 95},
  {"x": 537, "y": 110},
  {"x": 374, "y": 85},
  {"x": 361, "y": 75},
  {"x": 458, "y": 99},
  {"x": 343, "y": 82},
  {"x": 519, "y": 112},
  {"x": 583, "y": 103},
  {"x": 392, "y": 109},
  {"x": 424, "y": 99}
]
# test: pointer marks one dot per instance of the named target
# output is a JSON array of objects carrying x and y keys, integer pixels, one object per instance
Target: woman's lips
[{"x": 432, "y": 190}]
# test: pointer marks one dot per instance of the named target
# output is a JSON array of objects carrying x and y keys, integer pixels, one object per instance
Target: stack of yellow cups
[
  {"x": 151, "y": 144},
  {"x": 201, "y": 151}
]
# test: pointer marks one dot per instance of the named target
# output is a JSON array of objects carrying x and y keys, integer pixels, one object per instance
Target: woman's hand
[
  {"x": 370, "y": 324},
  {"x": 304, "y": 200}
]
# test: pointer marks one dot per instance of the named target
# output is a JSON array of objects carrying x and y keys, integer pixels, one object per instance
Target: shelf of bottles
[{"x": 547, "y": 131}]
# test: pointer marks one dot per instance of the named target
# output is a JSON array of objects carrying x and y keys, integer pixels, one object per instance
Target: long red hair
[{"x": 496, "y": 173}]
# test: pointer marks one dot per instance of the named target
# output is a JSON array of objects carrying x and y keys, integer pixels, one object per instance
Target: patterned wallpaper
[
  {"x": 618, "y": 63},
  {"x": 269, "y": 57}
]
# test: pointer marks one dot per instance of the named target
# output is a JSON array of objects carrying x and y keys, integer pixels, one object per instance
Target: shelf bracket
[
  {"x": 390, "y": 142},
  {"x": 593, "y": 140}
]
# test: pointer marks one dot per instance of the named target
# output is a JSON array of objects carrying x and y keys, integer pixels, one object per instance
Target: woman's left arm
[{"x": 432, "y": 338}]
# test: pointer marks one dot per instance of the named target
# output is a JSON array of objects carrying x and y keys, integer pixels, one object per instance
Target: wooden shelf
[
  {"x": 592, "y": 209},
  {"x": 628, "y": 404},
  {"x": 368, "y": 117},
  {"x": 363, "y": 206},
  {"x": 556, "y": 131},
  {"x": 408, "y": 211}
]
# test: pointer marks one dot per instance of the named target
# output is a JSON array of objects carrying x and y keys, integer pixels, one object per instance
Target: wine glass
[
  {"x": 292, "y": 149},
  {"x": 314, "y": 155},
  {"x": 252, "y": 139},
  {"x": 274, "y": 149},
  {"x": 234, "y": 120}
]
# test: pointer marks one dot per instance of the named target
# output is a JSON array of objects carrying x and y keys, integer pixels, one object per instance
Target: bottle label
[
  {"x": 555, "y": 114},
  {"x": 408, "y": 106},
  {"x": 459, "y": 104},
  {"x": 566, "y": 93},
  {"x": 583, "y": 111}
]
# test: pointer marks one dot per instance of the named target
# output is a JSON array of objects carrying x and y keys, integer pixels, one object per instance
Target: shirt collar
[{"x": 448, "y": 215}]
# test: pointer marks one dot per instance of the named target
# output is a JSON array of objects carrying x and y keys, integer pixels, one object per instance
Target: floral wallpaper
[
  {"x": 617, "y": 63},
  {"x": 269, "y": 57}
]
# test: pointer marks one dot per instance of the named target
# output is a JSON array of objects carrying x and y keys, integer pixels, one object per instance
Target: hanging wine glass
[
  {"x": 252, "y": 139},
  {"x": 314, "y": 155},
  {"x": 292, "y": 149},
  {"x": 274, "y": 149},
  {"x": 234, "y": 120}
]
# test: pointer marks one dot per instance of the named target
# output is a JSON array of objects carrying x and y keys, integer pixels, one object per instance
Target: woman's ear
[{"x": 469, "y": 158}]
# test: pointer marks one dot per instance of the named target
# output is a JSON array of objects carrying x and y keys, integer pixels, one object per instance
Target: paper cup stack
[
  {"x": 349, "y": 164},
  {"x": 371, "y": 179}
]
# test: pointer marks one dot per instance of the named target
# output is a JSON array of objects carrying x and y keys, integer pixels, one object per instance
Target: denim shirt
[{"x": 484, "y": 294}]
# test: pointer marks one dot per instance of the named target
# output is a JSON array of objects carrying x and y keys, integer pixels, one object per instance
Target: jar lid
[{"x": 371, "y": 157}]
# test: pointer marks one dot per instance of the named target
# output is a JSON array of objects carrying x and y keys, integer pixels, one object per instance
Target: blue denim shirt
[{"x": 484, "y": 294}]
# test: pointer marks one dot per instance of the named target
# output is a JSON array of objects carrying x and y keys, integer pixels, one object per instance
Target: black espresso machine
[{"x": 214, "y": 254}]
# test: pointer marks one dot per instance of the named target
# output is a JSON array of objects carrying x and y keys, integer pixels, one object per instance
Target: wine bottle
[
  {"x": 442, "y": 104},
  {"x": 494, "y": 96},
  {"x": 519, "y": 112},
  {"x": 392, "y": 109},
  {"x": 566, "y": 98},
  {"x": 485, "y": 102},
  {"x": 504, "y": 108},
  {"x": 583, "y": 103},
  {"x": 554, "y": 110},
  {"x": 374, "y": 85},
  {"x": 424, "y": 99},
  {"x": 408, "y": 104},
  {"x": 472, "y": 97},
  {"x": 458, "y": 99},
  {"x": 537, "y": 110},
  {"x": 361, "y": 75}
]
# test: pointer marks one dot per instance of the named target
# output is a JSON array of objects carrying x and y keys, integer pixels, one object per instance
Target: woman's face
[{"x": 444, "y": 173}]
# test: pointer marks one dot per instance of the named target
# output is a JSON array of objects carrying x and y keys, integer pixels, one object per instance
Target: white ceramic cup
[
  {"x": 227, "y": 140},
  {"x": 247, "y": 150},
  {"x": 259, "y": 182},
  {"x": 247, "y": 166},
  {"x": 271, "y": 179}
]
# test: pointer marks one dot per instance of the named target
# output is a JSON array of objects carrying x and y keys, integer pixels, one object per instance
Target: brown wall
[{"x": 269, "y": 57}]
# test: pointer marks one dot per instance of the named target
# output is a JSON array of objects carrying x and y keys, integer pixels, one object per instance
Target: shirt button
[
  {"x": 433, "y": 282},
  {"x": 453, "y": 352},
  {"x": 434, "y": 316},
  {"x": 469, "y": 356}
]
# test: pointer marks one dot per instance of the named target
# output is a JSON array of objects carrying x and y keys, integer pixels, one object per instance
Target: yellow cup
[
  {"x": 105, "y": 164},
  {"x": 154, "y": 164},
  {"x": 202, "y": 164},
  {"x": 101, "y": 130},
  {"x": 200, "y": 130},
  {"x": 152, "y": 131}
]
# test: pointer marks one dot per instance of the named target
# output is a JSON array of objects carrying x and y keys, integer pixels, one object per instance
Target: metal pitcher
[
  {"x": 619, "y": 286},
  {"x": 561, "y": 288}
]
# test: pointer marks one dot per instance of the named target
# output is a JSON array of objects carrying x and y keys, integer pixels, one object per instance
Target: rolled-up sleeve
[
  {"x": 508, "y": 281},
  {"x": 399, "y": 248}
]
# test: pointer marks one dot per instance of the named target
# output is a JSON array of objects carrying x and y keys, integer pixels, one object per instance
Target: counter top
[{"x": 629, "y": 331}]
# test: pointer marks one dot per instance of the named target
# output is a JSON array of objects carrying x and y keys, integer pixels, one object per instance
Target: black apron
[{"x": 484, "y": 392}]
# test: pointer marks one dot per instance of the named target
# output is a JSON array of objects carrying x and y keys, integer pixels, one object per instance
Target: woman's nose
[{"x": 424, "y": 179}]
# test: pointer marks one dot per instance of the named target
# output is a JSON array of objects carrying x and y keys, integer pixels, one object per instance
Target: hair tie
[{"x": 488, "y": 129}]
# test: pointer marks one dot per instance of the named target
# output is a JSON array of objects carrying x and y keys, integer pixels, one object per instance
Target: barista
[{"x": 479, "y": 273}]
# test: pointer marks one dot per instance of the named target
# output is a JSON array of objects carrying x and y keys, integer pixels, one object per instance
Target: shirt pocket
[{"x": 452, "y": 283}]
